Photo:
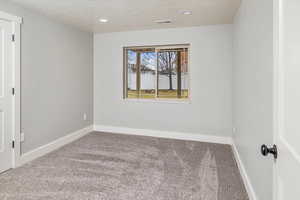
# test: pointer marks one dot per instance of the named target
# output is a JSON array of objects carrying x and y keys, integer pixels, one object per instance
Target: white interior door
[
  {"x": 287, "y": 138},
  {"x": 6, "y": 98}
]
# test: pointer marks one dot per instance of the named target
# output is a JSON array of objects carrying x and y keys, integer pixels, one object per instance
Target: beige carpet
[{"x": 103, "y": 166}]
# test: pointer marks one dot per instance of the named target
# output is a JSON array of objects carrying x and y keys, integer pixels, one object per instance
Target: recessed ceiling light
[
  {"x": 102, "y": 20},
  {"x": 186, "y": 12}
]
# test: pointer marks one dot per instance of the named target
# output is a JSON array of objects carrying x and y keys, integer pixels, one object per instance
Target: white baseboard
[
  {"x": 43, "y": 150},
  {"x": 243, "y": 172},
  {"x": 164, "y": 134}
]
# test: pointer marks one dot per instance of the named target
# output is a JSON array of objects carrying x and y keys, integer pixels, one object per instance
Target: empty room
[{"x": 149, "y": 99}]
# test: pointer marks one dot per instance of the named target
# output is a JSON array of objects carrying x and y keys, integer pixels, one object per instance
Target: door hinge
[
  {"x": 13, "y": 37},
  {"x": 13, "y": 91},
  {"x": 13, "y": 144}
]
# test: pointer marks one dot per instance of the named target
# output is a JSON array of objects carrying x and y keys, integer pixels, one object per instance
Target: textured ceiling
[{"x": 125, "y": 15}]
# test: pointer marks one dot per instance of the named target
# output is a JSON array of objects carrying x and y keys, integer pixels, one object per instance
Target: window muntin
[{"x": 156, "y": 72}]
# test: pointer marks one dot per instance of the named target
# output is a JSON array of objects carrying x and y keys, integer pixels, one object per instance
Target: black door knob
[{"x": 265, "y": 151}]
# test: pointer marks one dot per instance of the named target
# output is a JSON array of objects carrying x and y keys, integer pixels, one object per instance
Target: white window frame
[{"x": 156, "y": 99}]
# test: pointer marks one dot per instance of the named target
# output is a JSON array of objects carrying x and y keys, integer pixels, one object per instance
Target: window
[{"x": 156, "y": 72}]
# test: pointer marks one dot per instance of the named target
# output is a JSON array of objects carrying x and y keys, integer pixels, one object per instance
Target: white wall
[
  {"x": 56, "y": 78},
  {"x": 210, "y": 110},
  {"x": 252, "y": 93}
]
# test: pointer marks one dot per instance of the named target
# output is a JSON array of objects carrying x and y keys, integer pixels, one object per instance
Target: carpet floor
[{"x": 103, "y": 166}]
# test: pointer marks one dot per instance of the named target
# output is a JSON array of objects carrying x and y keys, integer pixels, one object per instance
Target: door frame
[{"x": 16, "y": 79}]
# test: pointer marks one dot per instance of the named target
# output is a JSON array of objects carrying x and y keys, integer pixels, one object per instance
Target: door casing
[{"x": 16, "y": 62}]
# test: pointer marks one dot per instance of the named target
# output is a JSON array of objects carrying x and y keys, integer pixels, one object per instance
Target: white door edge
[
  {"x": 276, "y": 84},
  {"x": 280, "y": 100}
]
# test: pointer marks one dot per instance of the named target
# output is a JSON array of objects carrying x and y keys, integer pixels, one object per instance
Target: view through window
[{"x": 156, "y": 72}]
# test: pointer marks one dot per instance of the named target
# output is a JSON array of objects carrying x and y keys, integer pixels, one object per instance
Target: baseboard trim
[
  {"x": 164, "y": 134},
  {"x": 243, "y": 172},
  {"x": 45, "y": 149}
]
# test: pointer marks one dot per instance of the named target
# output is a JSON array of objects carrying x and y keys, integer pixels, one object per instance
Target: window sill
[{"x": 167, "y": 101}]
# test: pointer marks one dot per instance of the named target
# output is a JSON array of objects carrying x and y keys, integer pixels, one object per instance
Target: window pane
[
  {"x": 184, "y": 74},
  {"x": 173, "y": 73},
  {"x": 156, "y": 72},
  {"x": 131, "y": 74},
  {"x": 167, "y": 75},
  {"x": 148, "y": 74}
]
